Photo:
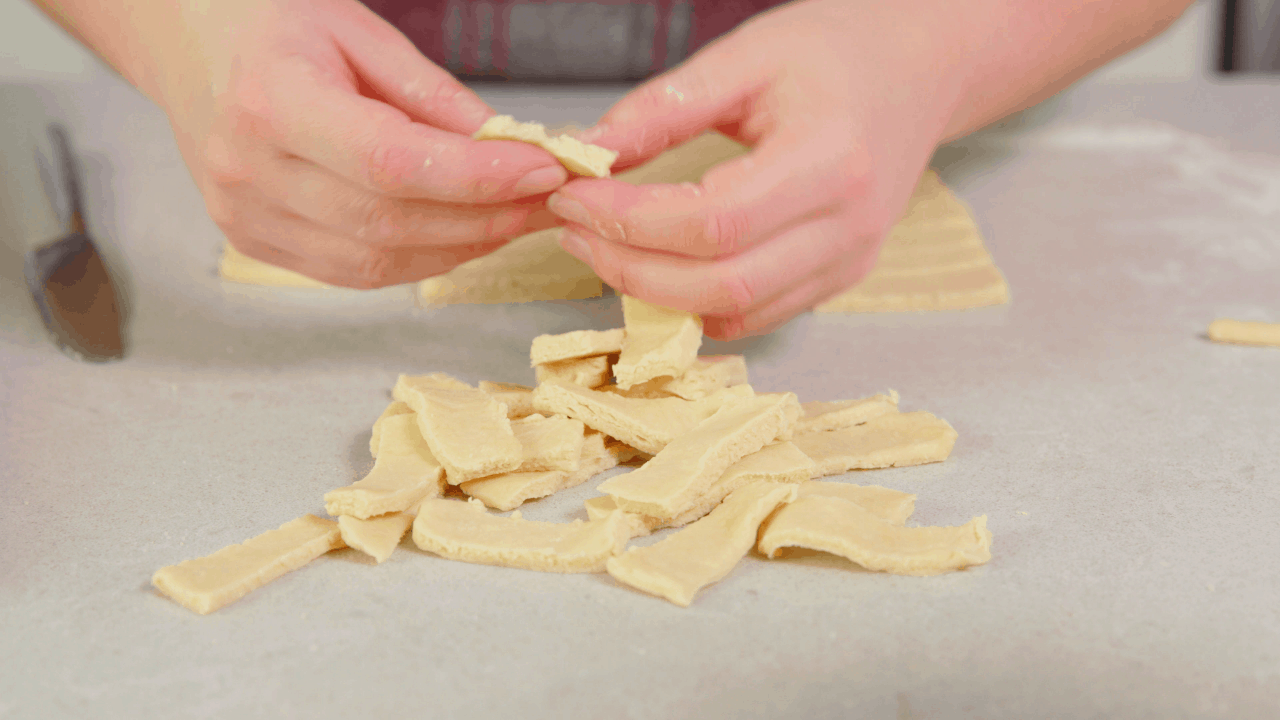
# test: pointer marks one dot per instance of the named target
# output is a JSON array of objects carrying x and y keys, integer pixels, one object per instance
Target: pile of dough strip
[{"x": 732, "y": 468}]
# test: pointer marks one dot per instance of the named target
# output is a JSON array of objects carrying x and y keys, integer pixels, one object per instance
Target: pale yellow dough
[
  {"x": 467, "y": 429},
  {"x": 375, "y": 436},
  {"x": 705, "y": 376},
  {"x": 838, "y": 526},
  {"x": 530, "y": 268},
  {"x": 647, "y": 425},
  {"x": 677, "y": 567},
  {"x": 405, "y": 472},
  {"x": 1245, "y": 333},
  {"x": 577, "y": 156},
  {"x": 589, "y": 372},
  {"x": 517, "y": 398},
  {"x": 509, "y": 491},
  {"x": 576, "y": 344},
  {"x": 548, "y": 443},
  {"x": 235, "y": 266},
  {"x": 892, "y": 506},
  {"x": 894, "y": 440},
  {"x": 659, "y": 341},
  {"x": 208, "y": 583},
  {"x": 376, "y": 537},
  {"x": 820, "y": 416},
  {"x": 687, "y": 467},
  {"x": 466, "y": 531}
]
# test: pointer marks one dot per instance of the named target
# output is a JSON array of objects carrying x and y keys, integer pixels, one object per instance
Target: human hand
[
  {"x": 325, "y": 143},
  {"x": 842, "y": 118}
]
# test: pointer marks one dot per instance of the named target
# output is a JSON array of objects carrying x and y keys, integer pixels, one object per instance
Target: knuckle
[
  {"x": 738, "y": 292},
  {"x": 377, "y": 218},
  {"x": 371, "y": 269},
  {"x": 384, "y": 165},
  {"x": 725, "y": 230}
]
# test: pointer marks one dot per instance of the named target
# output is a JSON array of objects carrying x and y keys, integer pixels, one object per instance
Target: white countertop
[{"x": 1129, "y": 468}]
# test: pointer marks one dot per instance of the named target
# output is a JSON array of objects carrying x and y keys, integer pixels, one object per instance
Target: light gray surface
[{"x": 1128, "y": 467}]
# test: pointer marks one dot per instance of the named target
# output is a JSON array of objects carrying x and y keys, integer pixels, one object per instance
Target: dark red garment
[{"x": 563, "y": 39}]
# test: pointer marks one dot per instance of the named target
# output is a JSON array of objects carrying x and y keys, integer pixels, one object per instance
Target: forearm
[{"x": 1011, "y": 54}]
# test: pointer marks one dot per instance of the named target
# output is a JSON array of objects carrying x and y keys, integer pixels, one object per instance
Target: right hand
[{"x": 325, "y": 143}]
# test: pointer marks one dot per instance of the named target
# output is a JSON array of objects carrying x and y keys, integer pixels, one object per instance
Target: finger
[
  {"x": 348, "y": 210},
  {"x": 392, "y": 66},
  {"x": 296, "y": 244},
  {"x": 812, "y": 291},
  {"x": 728, "y": 286},
  {"x": 378, "y": 147},
  {"x": 738, "y": 204}
]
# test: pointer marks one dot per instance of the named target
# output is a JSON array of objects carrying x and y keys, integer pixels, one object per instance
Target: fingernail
[
  {"x": 591, "y": 134},
  {"x": 543, "y": 180},
  {"x": 575, "y": 245},
  {"x": 569, "y": 209}
]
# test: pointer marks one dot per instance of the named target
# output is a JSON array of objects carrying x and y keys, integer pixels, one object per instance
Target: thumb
[
  {"x": 715, "y": 89},
  {"x": 404, "y": 77}
]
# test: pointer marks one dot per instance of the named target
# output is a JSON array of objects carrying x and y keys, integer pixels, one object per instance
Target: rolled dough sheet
[
  {"x": 892, "y": 506},
  {"x": 589, "y": 372},
  {"x": 466, "y": 429},
  {"x": 405, "y": 472},
  {"x": 647, "y": 425},
  {"x": 895, "y": 440},
  {"x": 576, "y": 344},
  {"x": 466, "y": 531},
  {"x": 575, "y": 155},
  {"x": 1245, "y": 333},
  {"x": 777, "y": 463},
  {"x": 375, "y": 436},
  {"x": 530, "y": 268},
  {"x": 376, "y": 537},
  {"x": 840, "y": 527},
  {"x": 677, "y": 567},
  {"x": 659, "y": 341},
  {"x": 517, "y": 398},
  {"x": 686, "y": 468},
  {"x": 687, "y": 162},
  {"x": 208, "y": 583},
  {"x": 549, "y": 443},
  {"x": 820, "y": 416},
  {"x": 235, "y": 266}
]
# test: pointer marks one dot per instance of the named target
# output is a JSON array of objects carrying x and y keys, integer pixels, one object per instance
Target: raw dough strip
[
  {"x": 589, "y": 372},
  {"x": 840, "y": 527},
  {"x": 235, "y": 266},
  {"x": 822, "y": 416},
  {"x": 466, "y": 429},
  {"x": 375, "y": 436},
  {"x": 1245, "y": 333},
  {"x": 706, "y": 375},
  {"x": 686, "y": 468},
  {"x": 892, "y": 506},
  {"x": 777, "y": 463},
  {"x": 677, "y": 567},
  {"x": 208, "y": 583},
  {"x": 647, "y": 425},
  {"x": 517, "y": 398},
  {"x": 895, "y": 440},
  {"x": 577, "y": 156},
  {"x": 576, "y": 344},
  {"x": 548, "y": 443},
  {"x": 659, "y": 341},
  {"x": 404, "y": 473},
  {"x": 509, "y": 491},
  {"x": 466, "y": 532},
  {"x": 376, "y": 537}
]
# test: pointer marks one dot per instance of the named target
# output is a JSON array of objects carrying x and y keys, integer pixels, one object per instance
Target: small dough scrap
[
  {"x": 467, "y": 532},
  {"x": 549, "y": 443},
  {"x": 822, "y": 416},
  {"x": 376, "y": 537},
  {"x": 576, "y": 344},
  {"x": 577, "y": 156},
  {"x": 840, "y": 527},
  {"x": 509, "y": 491},
  {"x": 707, "y": 374},
  {"x": 235, "y": 266},
  {"x": 530, "y": 268},
  {"x": 686, "y": 468},
  {"x": 777, "y": 463},
  {"x": 375, "y": 436},
  {"x": 677, "y": 567},
  {"x": 517, "y": 398},
  {"x": 647, "y": 425},
  {"x": 589, "y": 372},
  {"x": 404, "y": 473},
  {"x": 438, "y": 379},
  {"x": 659, "y": 341},
  {"x": 1245, "y": 333},
  {"x": 466, "y": 429},
  {"x": 892, "y": 506},
  {"x": 208, "y": 583},
  {"x": 895, "y": 440}
]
